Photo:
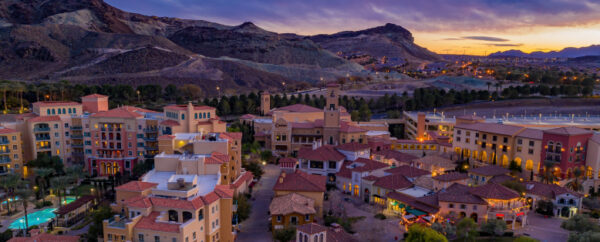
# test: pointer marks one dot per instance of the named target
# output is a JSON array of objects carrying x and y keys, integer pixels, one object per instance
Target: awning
[
  {"x": 407, "y": 217},
  {"x": 415, "y": 212}
]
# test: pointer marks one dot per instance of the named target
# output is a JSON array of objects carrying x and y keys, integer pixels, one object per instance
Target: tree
[
  {"x": 25, "y": 196},
  {"x": 514, "y": 166},
  {"x": 515, "y": 185},
  {"x": 191, "y": 91},
  {"x": 10, "y": 183},
  {"x": 60, "y": 183},
  {"x": 98, "y": 216},
  {"x": 4, "y": 87},
  {"x": 580, "y": 223},
  {"x": 576, "y": 185},
  {"x": 255, "y": 168},
  {"x": 466, "y": 229},
  {"x": 285, "y": 234},
  {"x": 266, "y": 155},
  {"x": 548, "y": 175},
  {"x": 43, "y": 174},
  {"x": 244, "y": 208},
  {"x": 525, "y": 239},
  {"x": 420, "y": 233},
  {"x": 494, "y": 227}
]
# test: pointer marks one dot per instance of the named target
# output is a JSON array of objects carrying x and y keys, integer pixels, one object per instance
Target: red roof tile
[
  {"x": 149, "y": 223},
  {"x": 323, "y": 153},
  {"x": 490, "y": 170},
  {"x": 531, "y": 133},
  {"x": 300, "y": 181},
  {"x": 44, "y": 237},
  {"x": 353, "y": 146},
  {"x": 175, "y": 203},
  {"x": 311, "y": 228},
  {"x": 136, "y": 186},
  {"x": 169, "y": 122},
  {"x": 245, "y": 177},
  {"x": 413, "y": 202},
  {"x": 248, "y": 116},
  {"x": 74, "y": 205},
  {"x": 55, "y": 103},
  {"x": 568, "y": 131},
  {"x": 494, "y": 128},
  {"x": 362, "y": 165},
  {"x": 138, "y": 202},
  {"x": 347, "y": 128},
  {"x": 494, "y": 191},
  {"x": 298, "y": 108},
  {"x": 548, "y": 190},
  {"x": 7, "y": 131},
  {"x": 501, "y": 179},
  {"x": 121, "y": 112},
  {"x": 44, "y": 119},
  {"x": 396, "y": 155},
  {"x": 288, "y": 162},
  {"x": 408, "y": 171},
  {"x": 393, "y": 182},
  {"x": 459, "y": 193},
  {"x": 231, "y": 135},
  {"x": 452, "y": 176}
]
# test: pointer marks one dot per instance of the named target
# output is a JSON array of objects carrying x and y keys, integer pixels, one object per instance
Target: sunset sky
[{"x": 444, "y": 26}]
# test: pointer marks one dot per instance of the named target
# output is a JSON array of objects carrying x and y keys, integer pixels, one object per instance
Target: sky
[{"x": 475, "y": 27}]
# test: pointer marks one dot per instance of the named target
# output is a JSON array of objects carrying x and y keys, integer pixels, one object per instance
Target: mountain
[
  {"x": 570, "y": 52},
  {"x": 89, "y": 41},
  {"x": 390, "y": 41}
]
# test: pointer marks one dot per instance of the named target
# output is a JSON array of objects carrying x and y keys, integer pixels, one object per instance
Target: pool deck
[{"x": 7, "y": 221}]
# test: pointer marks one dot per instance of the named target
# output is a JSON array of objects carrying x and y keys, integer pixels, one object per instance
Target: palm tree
[
  {"x": 43, "y": 173},
  {"x": 62, "y": 86},
  {"x": 60, "y": 183},
  {"x": 19, "y": 88},
  {"x": 25, "y": 196},
  {"x": 497, "y": 85},
  {"x": 575, "y": 184},
  {"x": 10, "y": 182},
  {"x": 488, "y": 85},
  {"x": 4, "y": 87},
  {"x": 548, "y": 176}
]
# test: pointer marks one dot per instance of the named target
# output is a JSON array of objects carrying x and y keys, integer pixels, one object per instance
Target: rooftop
[
  {"x": 292, "y": 203},
  {"x": 322, "y": 153},
  {"x": 298, "y": 108},
  {"x": 408, "y": 171},
  {"x": 535, "y": 119},
  {"x": 494, "y": 191},
  {"x": 393, "y": 182},
  {"x": 396, "y": 155},
  {"x": 300, "y": 181},
  {"x": 204, "y": 183},
  {"x": 452, "y": 176},
  {"x": 353, "y": 146},
  {"x": 490, "y": 170},
  {"x": 136, "y": 186}
]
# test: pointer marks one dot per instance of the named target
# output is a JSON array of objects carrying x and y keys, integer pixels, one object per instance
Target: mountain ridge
[{"x": 568, "y": 52}]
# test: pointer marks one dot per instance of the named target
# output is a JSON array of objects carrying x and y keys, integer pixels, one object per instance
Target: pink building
[{"x": 565, "y": 148}]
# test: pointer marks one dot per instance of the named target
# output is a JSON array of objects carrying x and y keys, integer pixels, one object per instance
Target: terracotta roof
[
  {"x": 288, "y": 162},
  {"x": 339, "y": 235},
  {"x": 136, "y": 186},
  {"x": 149, "y": 223},
  {"x": 568, "y": 131},
  {"x": 396, "y": 155},
  {"x": 138, "y": 202},
  {"x": 216, "y": 158},
  {"x": 7, "y": 131},
  {"x": 490, "y": 170},
  {"x": 311, "y": 228},
  {"x": 224, "y": 191},
  {"x": 353, "y": 146},
  {"x": 292, "y": 203},
  {"x": 436, "y": 160},
  {"x": 501, "y": 179},
  {"x": 95, "y": 95},
  {"x": 452, "y": 176},
  {"x": 55, "y": 103},
  {"x": 298, "y": 108},
  {"x": 248, "y": 116},
  {"x": 245, "y": 177},
  {"x": 370, "y": 178},
  {"x": 393, "y": 182},
  {"x": 494, "y": 128},
  {"x": 413, "y": 202},
  {"x": 177, "y": 203},
  {"x": 231, "y": 135},
  {"x": 363, "y": 165},
  {"x": 424, "y": 182},
  {"x": 494, "y": 191},
  {"x": 548, "y": 190},
  {"x": 459, "y": 193},
  {"x": 53, "y": 118},
  {"x": 44, "y": 237},
  {"x": 300, "y": 181},
  {"x": 347, "y": 128},
  {"x": 408, "y": 171},
  {"x": 74, "y": 205},
  {"x": 121, "y": 112},
  {"x": 530, "y": 133},
  {"x": 169, "y": 122},
  {"x": 184, "y": 107},
  {"x": 323, "y": 153}
]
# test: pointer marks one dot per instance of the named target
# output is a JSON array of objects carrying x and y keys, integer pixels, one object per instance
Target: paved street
[
  {"x": 544, "y": 229},
  {"x": 256, "y": 227}
]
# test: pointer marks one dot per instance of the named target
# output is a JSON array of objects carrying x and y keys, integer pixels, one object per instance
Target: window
[
  {"x": 530, "y": 151},
  {"x": 468, "y": 133},
  {"x": 332, "y": 165},
  {"x": 494, "y": 138},
  {"x": 200, "y": 214},
  {"x": 474, "y": 207},
  {"x": 458, "y": 139},
  {"x": 109, "y": 235},
  {"x": 14, "y": 138},
  {"x": 519, "y": 149},
  {"x": 156, "y": 238},
  {"x": 294, "y": 220},
  {"x": 56, "y": 126},
  {"x": 307, "y": 217},
  {"x": 462, "y": 206},
  {"x": 141, "y": 237},
  {"x": 505, "y": 140},
  {"x": 451, "y": 205},
  {"x": 278, "y": 218},
  {"x": 194, "y": 236}
]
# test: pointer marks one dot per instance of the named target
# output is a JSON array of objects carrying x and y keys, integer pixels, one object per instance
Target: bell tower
[
  {"x": 265, "y": 103},
  {"x": 331, "y": 113}
]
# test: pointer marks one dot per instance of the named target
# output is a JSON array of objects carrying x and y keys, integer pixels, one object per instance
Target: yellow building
[
  {"x": 301, "y": 183},
  {"x": 11, "y": 154},
  {"x": 291, "y": 209}
]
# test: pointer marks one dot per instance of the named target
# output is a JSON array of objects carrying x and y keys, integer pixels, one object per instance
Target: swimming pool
[
  {"x": 35, "y": 218},
  {"x": 38, "y": 217}
]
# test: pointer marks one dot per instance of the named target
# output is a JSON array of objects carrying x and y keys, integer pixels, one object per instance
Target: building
[
  {"x": 320, "y": 233},
  {"x": 11, "y": 152},
  {"x": 566, "y": 148},
  {"x": 323, "y": 160},
  {"x": 37, "y": 236},
  {"x": 304, "y": 184},
  {"x": 191, "y": 119},
  {"x": 444, "y": 181},
  {"x": 291, "y": 209},
  {"x": 482, "y": 175},
  {"x": 350, "y": 177},
  {"x": 566, "y": 202},
  {"x": 377, "y": 188},
  {"x": 435, "y": 164},
  {"x": 393, "y": 158}
]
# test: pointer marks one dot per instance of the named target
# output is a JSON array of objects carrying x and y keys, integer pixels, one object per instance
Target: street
[{"x": 256, "y": 227}]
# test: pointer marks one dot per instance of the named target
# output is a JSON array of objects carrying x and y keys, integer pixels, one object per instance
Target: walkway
[
  {"x": 544, "y": 229},
  {"x": 256, "y": 227}
]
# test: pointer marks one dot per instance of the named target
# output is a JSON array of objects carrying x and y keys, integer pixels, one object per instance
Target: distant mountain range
[
  {"x": 90, "y": 41},
  {"x": 592, "y": 50}
]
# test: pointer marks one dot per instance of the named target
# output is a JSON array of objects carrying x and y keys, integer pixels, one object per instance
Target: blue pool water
[{"x": 36, "y": 218}]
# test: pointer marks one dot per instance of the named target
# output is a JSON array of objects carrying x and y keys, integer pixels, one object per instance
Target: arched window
[
  {"x": 558, "y": 148},
  {"x": 550, "y": 147},
  {"x": 59, "y": 111},
  {"x": 204, "y": 115},
  {"x": 182, "y": 116},
  {"x": 330, "y": 140},
  {"x": 187, "y": 216},
  {"x": 571, "y": 202},
  {"x": 561, "y": 201},
  {"x": 200, "y": 214},
  {"x": 64, "y": 110},
  {"x": 321, "y": 238},
  {"x": 48, "y": 111},
  {"x": 305, "y": 238},
  {"x": 173, "y": 216},
  {"x": 316, "y": 238}
]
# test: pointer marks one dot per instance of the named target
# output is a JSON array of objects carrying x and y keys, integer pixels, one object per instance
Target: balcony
[
  {"x": 5, "y": 160},
  {"x": 77, "y": 145},
  {"x": 4, "y": 141},
  {"x": 151, "y": 130},
  {"x": 41, "y": 129},
  {"x": 150, "y": 138},
  {"x": 44, "y": 147},
  {"x": 41, "y": 138},
  {"x": 76, "y": 136},
  {"x": 6, "y": 151},
  {"x": 118, "y": 221},
  {"x": 76, "y": 127}
]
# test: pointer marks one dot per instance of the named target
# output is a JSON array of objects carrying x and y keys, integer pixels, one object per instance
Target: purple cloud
[{"x": 318, "y": 16}]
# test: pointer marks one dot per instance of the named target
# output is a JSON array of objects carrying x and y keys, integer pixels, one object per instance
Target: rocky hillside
[
  {"x": 390, "y": 41},
  {"x": 92, "y": 42},
  {"x": 570, "y": 52}
]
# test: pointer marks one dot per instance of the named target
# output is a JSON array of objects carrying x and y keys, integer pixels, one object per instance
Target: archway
[
  {"x": 462, "y": 215},
  {"x": 504, "y": 161},
  {"x": 366, "y": 195},
  {"x": 519, "y": 161},
  {"x": 529, "y": 165},
  {"x": 474, "y": 217},
  {"x": 484, "y": 156},
  {"x": 173, "y": 216},
  {"x": 564, "y": 212}
]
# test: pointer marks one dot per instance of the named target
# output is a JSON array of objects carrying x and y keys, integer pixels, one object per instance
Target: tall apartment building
[
  {"x": 189, "y": 194},
  {"x": 11, "y": 154}
]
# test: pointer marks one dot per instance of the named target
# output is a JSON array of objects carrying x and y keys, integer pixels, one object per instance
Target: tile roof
[
  {"x": 548, "y": 190},
  {"x": 7, "y": 131},
  {"x": 408, "y": 171},
  {"x": 494, "y": 128},
  {"x": 169, "y": 122},
  {"x": 364, "y": 165},
  {"x": 490, "y": 170},
  {"x": 459, "y": 193},
  {"x": 413, "y": 202},
  {"x": 396, "y": 155},
  {"x": 370, "y": 178},
  {"x": 74, "y": 205},
  {"x": 298, "y": 108},
  {"x": 345, "y": 127},
  {"x": 288, "y": 162},
  {"x": 424, "y": 182},
  {"x": 53, "y": 118},
  {"x": 323, "y": 153},
  {"x": 95, "y": 95},
  {"x": 530, "y": 133},
  {"x": 494, "y": 191},
  {"x": 436, "y": 160},
  {"x": 248, "y": 116},
  {"x": 177, "y": 203},
  {"x": 55, "y": 103},
  {"x": 138, "y": 202},
  {"x": 501, "y": 179},
  {"x": 149, "y": 223},
  {"x": 245, "y": 177},
  {"x": 339, "y": 235},
  {"x": 184, "y": 107},
  {"x": 120, "y": 112},
  {"x": 44, "y": 237},
  {"x": 451, "y": 176},
  {"x": 353, "y": 146},
  {"x": 292, "y": 203},
  {"x": 231, "y": 135},
  {"x": 568, "y": 131},
  {"x": 311, "y": 228},
  {"x": 393, "y": 182},
  {"x": 136, "y": 186},
  {"x": 300, "y": 181}
]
